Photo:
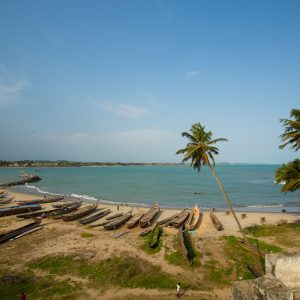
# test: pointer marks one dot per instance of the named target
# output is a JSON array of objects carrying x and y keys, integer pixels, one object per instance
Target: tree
[
  {"x": 200, "y": 150},
  {"x": 289, "y": 174}
]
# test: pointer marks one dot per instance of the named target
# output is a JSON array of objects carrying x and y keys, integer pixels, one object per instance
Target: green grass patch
[
  {"x": 285, "y": 235},
  {"x": 216, "y": 274},
  {"x": 239, "y": 258},
  {"x": 36, "y": 287},
  {"x": 126, "y": 272},
  {"x": 86, "y": 235},
  {"x": 146, "y": 239}
]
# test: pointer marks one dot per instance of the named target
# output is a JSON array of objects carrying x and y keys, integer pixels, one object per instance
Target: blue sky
[{"x": 120, "y": 80}]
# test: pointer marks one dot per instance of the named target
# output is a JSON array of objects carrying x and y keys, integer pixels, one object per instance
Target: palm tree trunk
[{"x": 233, "y": 213}]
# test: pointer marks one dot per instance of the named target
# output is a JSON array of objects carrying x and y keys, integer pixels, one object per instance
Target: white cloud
[
  {"x": 11, "y": 88},
  {"x": 191, "y": 74},
  {"x": 123, "y": 109}
]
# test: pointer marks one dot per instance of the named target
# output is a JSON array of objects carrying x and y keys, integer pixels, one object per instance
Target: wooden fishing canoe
[
  {"x": 193, "y": 219},
  {"x": 149, "y": 216},
  {"x": 165, "y": 221},
  {"x": 14, "y": 210},
  {"x": 154, "y": 236},
  {"x": 218, "y": 225},
  {"x": 114, "y": 216},
  {"x": 180, "y": 219},
  {"x": 80, "y": 213},
  {"x": 134, "y": 220},
  {"x": 118, "y": 222},
  {"x": 94, "y": 217}
]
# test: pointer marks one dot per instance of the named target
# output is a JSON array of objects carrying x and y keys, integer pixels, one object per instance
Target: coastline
[{"x": 205, "y": 229}]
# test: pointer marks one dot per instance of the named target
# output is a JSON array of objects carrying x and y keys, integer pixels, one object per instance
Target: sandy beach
[{"x": 65, "y": 238}]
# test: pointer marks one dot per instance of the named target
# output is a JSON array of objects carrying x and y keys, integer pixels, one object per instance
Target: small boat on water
[
  {"x": 149, "y": 216},
  {"x": 94, "y": 217},
  {"x": 118, "y": 222},
  {"x": 180, "y": 219},
  {"x": 80, "y": 213},
  {"x": 135, "y": 220},
  {"x": 17, "y": 232},
  {"x": 154, "y": 236},
  {"x": 14, "y": 210},
  {"x": 193, "y": 219},
  {"x": 218, "y": 225}
]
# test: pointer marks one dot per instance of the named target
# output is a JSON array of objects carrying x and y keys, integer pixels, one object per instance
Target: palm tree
[
  {"x": 291, "y": 133},
  {"x": 289, "y": 175},
  {"x": 201, "y": 150}
]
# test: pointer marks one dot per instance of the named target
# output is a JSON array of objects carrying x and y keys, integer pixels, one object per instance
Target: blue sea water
[{"x": 248, "y": 186}]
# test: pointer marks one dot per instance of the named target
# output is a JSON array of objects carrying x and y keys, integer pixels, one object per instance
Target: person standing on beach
[
  {"x": 178, "y": 290},
  {"x": 22, "y": 296}
]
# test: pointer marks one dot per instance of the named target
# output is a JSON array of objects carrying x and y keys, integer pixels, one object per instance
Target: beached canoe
[
  {"x": 166, "y": 221},
  {"x": 154, "y": 236},
  {"x": 180, "y": 219},
  {"x": 14, "y": 210},
  {"x": 42, "y": 201},
  {"x": 135, "y": 219},
  {"x": 66, "y": 209},
  {"x": 16, "y": 232},
  {"x": 193, "y": 219},
  {"x": 149, "y": 216},
  {"x": 118, "y": 222},
  {"x": 218, "y": 225},
  {"x": 182, "y": 244},
  {"x": 117, "y": 215},
  {"x": 94, "y": 217},
  {"x": 80, "y": 213}
]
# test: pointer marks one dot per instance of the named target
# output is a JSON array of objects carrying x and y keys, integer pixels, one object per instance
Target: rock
[{"x": 281, "y": 222}]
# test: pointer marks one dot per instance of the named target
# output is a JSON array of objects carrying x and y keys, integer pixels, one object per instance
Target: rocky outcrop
[{"x": 27, "y": 179}]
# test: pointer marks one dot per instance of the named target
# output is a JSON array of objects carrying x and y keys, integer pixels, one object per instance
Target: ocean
[{"x": 249, "y": 186}]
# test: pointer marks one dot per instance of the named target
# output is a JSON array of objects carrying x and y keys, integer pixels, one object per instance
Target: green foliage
[
  {"x": 126, "y": 272},
  {"x": 286, "y": 234},
  {"x": 200, "y": 148},
  {"x": 145, "y": 246},
  {"x": 86, "y": 235},
  {"x": 291, "y": 133},
  {"x": 289, "y": 174},
  {"x": 175, "y": 258},
  {"x": 216, "y": 274},
  {"x": 36, "y": 288}
]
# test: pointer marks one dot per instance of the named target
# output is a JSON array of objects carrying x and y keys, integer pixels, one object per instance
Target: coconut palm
[
  {"x": 291, "y": 133},
  {"x": 200, "y": 150},
  {"x": 289, "y": 175}
]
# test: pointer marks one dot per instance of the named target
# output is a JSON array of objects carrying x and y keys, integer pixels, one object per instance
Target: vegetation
[
  {"x": 66, "y": 163},
  {"x": 86, "y": 235},
  {"x": 289, "y": 174},
  {"x": 126, "y": 272},
  {"x": 145, "y": 246},
  {"x": 37, "y": 287},
  {"x": 286, "y": 235},
  {"x": 200, "y": 150}
]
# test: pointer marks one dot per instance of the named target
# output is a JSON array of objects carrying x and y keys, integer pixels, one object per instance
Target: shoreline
[
  {"x": 276, "y": 208},
  {"x": 205, "y": 229}
]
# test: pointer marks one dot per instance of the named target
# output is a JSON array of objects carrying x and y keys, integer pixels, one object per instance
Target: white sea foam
[
  {"x": 265, "y": 206},
  {"x": 86, "y": 197},
  {"x": 33, "y": 187}
]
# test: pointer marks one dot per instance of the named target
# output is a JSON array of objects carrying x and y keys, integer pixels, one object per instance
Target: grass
[
  {"x": 36, "y": 287},
  {"x": 216, "y": 274},
  {"x": 176, "y": 257},
  {"x": 125, "y": 272},
  {"x": 145, "y": 246},
  {"x": 86, "y": 235},
  {"x": 285, "y": 235}
]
